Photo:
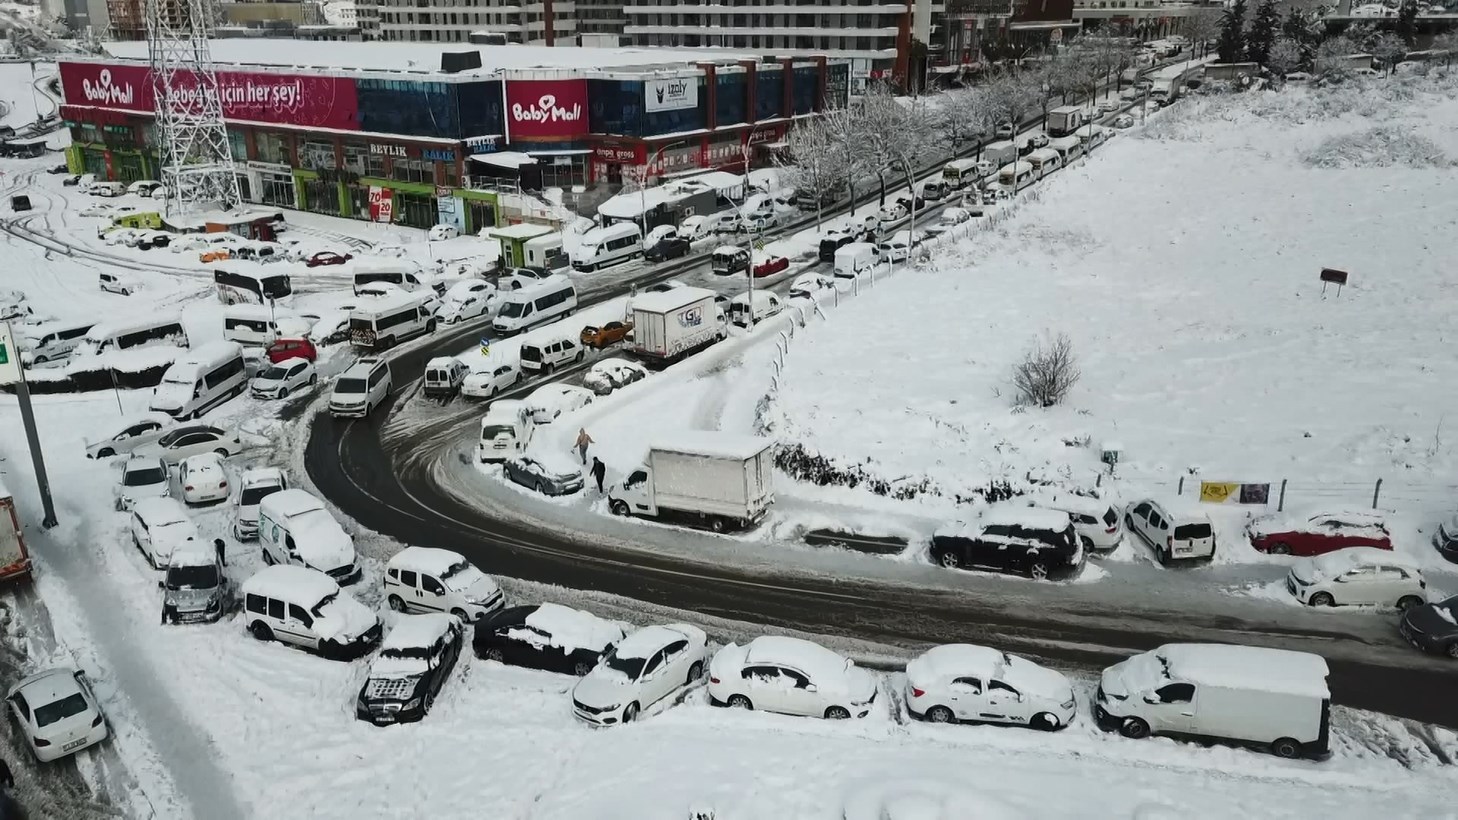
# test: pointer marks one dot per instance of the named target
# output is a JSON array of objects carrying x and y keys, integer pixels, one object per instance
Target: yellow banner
[{"x": 1219, "y": 492}]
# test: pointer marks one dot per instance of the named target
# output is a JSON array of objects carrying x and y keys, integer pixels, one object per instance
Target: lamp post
[
  {"x": 643, "y": 185},
  {"x": 758, "y": 226}
]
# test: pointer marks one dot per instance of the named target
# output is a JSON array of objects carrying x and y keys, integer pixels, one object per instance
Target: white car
[
  {"x": 440, "y": 233},
  {"x": 203, "y": 479},
  {"x": 121, "y": 236},
  {"x": 549, "y": 401},
  {"x": 57, "y": 713},
  {"x": 1038, "y": 140},
  {"x": 1096, "y": 522},
  {"x": 1358, "y": 576},
  {"x": 951, "y": 218},
  {"x": 254, "y": 486},
  {"x": 959, "y": 683},
  {"x": 142, "y": 478},
  {"x": 1108, "y": 107},
  {"x": 610, "y": 374},
  {"x": 277, "y": 381},
  {"x": 119, "y": 283},
  {"x": 484, "y": 384},
  {"x": 130, "y": 434},
  {"x": 897, "y": 248},
  {"x": 181, "y": 442},
  {"x": 466, "y": 300},
  {"x": 892, "y": 212},
  {"x": 1123, "y": 121},
  {"x": 694, "y": 228},
  {"x": 158, "y": 526},
  {"x": 1174, "y": 529},
  {"x": 659, "y": 233},
  {"x": 807, "y": 285},
  {"x": 518, "y": 278},
  {"x": 790, "y": 676},
  {"x": 645, "y": 668}
]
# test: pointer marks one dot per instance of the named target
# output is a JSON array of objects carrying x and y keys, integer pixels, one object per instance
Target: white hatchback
[
  {"x": 645, "y": 668},
  {"x": 142, "y": 478},
  {"x": 960, "y": 683},
  {"x": 1358, "y": 576},
  {"x": 158, "y": 526},
  {"x": 57, "y": 712},
  {"x": 485, "y": 384},
  {"x": 277, "y": 381},
  {"x": 203, "y": 479},
  {"x": 790, "y": 676}
]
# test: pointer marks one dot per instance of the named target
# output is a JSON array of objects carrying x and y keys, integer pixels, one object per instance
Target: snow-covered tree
[
  {"x": 1263, "y": 29},
  {"x": 1202, "y": 26},
  {"x": 1285, "y": 57},
  {"x": 1232, "y": 33},
  {"x": 1330, "y": 60},
  {"x": 1407, "y": 21},
  {"x": 895, "y": 134},
  {"x": 964, "y": 115},
  {"x": 1388, "y": 48},
  {"x": 815, "y": 168},
  {"x": 843, "y": 129},
  {"x": 1013, "y": 98}
]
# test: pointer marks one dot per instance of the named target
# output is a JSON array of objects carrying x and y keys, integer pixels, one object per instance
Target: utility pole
[{"x": 11, "y": 371}]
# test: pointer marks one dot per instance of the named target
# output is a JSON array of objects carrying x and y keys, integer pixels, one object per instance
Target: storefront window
[
  {"x": 482, "y": 214},
  {"x": 615, "y": 107},
  {"x": 731, "y": 99},
  {"x": 357, "y": 159},
  {"x": 321, "y": 197},
  {"x": 480, "y": 106},
  {"x": 563, "y": 172},
  {"x": 768, "y": 94},
  {"x": 415, "y": 210},
  {"x": 408, "y": 107},
  {"x": 237, "y": 144},
  {"x": 315, "y": 155},
  {"x": 276, "y": 189},
  {"x": 272, "y": 148},
  {"x": 449, "y": 176},
  {"x": 359, "y": 201},
  {"x": 413, "y": 170},
  {"x": 837, "y": 85},
  {"x": 807, "y": 85}
]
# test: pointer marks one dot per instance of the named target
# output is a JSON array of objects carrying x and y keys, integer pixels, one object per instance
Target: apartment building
[{"x": 539, "y": 22}]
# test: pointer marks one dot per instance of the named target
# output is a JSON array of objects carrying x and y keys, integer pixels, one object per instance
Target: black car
[
  {"x": 71, "y": 181},
  {"x": 671, "y": 247},
  {"x": 59, "y": 169},
  {"x": 1432, "y": 627},
  {"x": 20, "y": 202},
  {"x": 1039, "y": 543},
  {"x": 414, "y": 662},
  {"x": 546, "y": 636}
]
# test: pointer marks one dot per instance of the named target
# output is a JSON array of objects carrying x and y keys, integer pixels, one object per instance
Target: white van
[
  {"x": 549, "y": 352},
  {"x": 424, "y": 579},
  {"x": 107, "y": 189},
  {"x": 388, "y": 320},
  {"x": 766, "y": 304},
  {"x": 608, "y": 245},
  {"x": 1015, "y": 174},
  {"x": 853, "y": 259},
  {"x": 1069, "y": 148},
  {"x": 443, "y": 376},
  {"x": 305, "y": 608},
  {"x": 49, "y": 341},
  {"x": 960, "y": 172},
  {"x": 535, "y": 304},
  {"x": 506, "y": 430},
  {"x": 1177, "y": 530},
  {"x": 403, "y": 275},
  {"x": 131, "y": 334},
  {"x": 294, "y": 528},
  {"x": 201, "y": 380},
  {"x": 544, "y": 252},
  {"x": 360, "y": 389},
  {"x": 259, "y": 325},
  {"x": 1272, "y": 698},
  {"x": 1045, "y": 161}
]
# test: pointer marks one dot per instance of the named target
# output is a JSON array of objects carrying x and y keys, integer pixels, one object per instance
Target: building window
[
  {"x": 237, "y": 144},
  {"x": 315, "y": 155},
  {"x": 357, "y": 159},
  {"x": 481, "y": 214},
  {"x": 413, "y": 170},
  {"x": 272, "y": 148},
  {"x": 321, "y": 197},
  {"x": 276, "y": 189}
]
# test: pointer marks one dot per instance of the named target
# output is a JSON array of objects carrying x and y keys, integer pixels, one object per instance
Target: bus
[{"x": 255, "y": 288}]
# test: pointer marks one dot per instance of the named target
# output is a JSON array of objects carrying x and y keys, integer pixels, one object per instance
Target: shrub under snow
[{"x": 1384, "y": 146}]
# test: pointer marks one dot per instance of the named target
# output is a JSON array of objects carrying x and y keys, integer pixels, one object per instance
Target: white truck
[
  {"x": 1000, "y": 153},
  {"x": 705, "y": 478},
  {"x": 1064, "y": 120},
  {"x": 669, "y": 325}
]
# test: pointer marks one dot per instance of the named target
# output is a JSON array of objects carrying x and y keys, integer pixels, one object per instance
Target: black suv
[
  {"x": 1032, "y": 541},
  {"x": 546, "y": 636},
  {"x": 414, "y": 662}
]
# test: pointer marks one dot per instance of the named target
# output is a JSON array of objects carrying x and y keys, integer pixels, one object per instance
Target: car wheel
[
  {"x": 41, "y": 359},
  {"x": 716, "y": 524},
  {"x": 1134, "y": 728},
  {"x": 394, "y": 601},
  {"x": 1281, "y": 549},
  {"x": 105, "y": 452},
  {"x": 695, "y": 672},
  {"x": 1162, "y": 555},
  {"x": 260, "y": 631},
  {"x": 940, "y": 714},
  {"x": 461, "y": 614},
  {"x": 740, "y": 702},
  {"x": 314, "y": 379},
  {"x": 1038, "y": 572},
  {"x": 630, "y": 714},
  {"x": 222, "y": 453},
  {"x": 1045, "y": 721},
  {"x": 1287, "y": 748},
  {"x": 949, "y": 560},
  {"x": 493, "y": 654},
  {"x": 579, "y": 356},
  {"x": 1453, "y": 650},
  {"x": 837, "y": 713},
  {"x": 619, "y": 507},
  {"x": 581, "y": 668},
  {"x": 1323, "y": 599},
  {"x": 1407, "y": 602},
  {"x": 283, "y": 392},
  {"x": 539, "y": 488}
]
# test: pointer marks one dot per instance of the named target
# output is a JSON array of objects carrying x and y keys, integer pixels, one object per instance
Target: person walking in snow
[
  {"x": 598, "y": 471},
  {"x": 222, "y": 551},
  {"x": 583, "y": 440}
]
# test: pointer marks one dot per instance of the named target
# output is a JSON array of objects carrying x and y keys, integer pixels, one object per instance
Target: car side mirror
[
  {"x": 161, "y": 585},
  {"x": 810, "y": 687},
  {"x": 1152, "y": 699}
]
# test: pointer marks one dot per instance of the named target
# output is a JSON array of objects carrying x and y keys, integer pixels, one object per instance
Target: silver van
[{"x": 195, "y": 588}]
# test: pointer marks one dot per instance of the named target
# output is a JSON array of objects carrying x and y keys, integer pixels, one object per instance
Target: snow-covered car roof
[
  {"x": 1353, "y": 519},
  {"x": 558, "y": 464},
  {"x": 1069, "y": 502},
  {"x": 574, "y": 629},
  {"x": 204, "y": 463},
  {"x": 417, "y": 631},
  {"x": 1180, "y": 507},
  {"x": 291, "y": 502},
  {"x": 1247, "y": 667},
  {"x": 261, "y": 476},
  {"x": 300, "y": 584},
  {"x": 551, "y": 395},
  {"x": 441, "y": 362},
  {"x": 159, "y": 512},
  {"x": 1038, "y": 518},
  {"x": 644, "y": 642},
  {"x": 429, "y": 560},
  {"x": 614, "y": 364},
  {"x": 467, "y": 287},
  {"x": 1337, "y": 562},
  {"x": 193, "y": 553},
  {"x": 941, "y": 664},
  {"x": 820, "y": 664},
  {"x": 47, "y": 687}
]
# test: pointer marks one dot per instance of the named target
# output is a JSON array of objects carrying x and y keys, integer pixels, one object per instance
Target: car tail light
[
  {"x": 40, "y": 741},
  {"x": 713, "y": 679},
  {"x": 222, "y": 485},
  {"x": 1111, "y": 530},
  {"x": 916, "y": 693},
  {"x": 97, "y": 721},
  {"x": 189, "y": 488}
]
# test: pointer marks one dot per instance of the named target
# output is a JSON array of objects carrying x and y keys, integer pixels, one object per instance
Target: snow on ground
[
  {"x": 22, "y": 92},
  {"x": 1183, "y": 266}
]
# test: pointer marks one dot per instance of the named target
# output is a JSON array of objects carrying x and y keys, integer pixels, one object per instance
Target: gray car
[
  {"x": 195, "y": 589},
  {"x": 545, "y": 479},
  {"x": 1432, "y": 627}
]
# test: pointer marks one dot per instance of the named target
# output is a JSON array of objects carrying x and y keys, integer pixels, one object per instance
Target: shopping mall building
[{"x": 420, "y": 134}]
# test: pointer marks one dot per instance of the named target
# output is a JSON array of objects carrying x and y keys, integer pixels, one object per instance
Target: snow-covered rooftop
[
  {"x": 713, "y": 444},
  {"x": 1247, "y": 667},
  {"x": 521, "y": 230}
]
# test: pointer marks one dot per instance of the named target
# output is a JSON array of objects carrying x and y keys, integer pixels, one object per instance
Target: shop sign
[
  {"x": 546, "y": 109},
  {"x": 616, "y": 153},
  {"x": 438, "y": 154},
  {"x": 382, "y": 206},
  {"x": 270, "y": 166},
  {"x": 382, "y": 150},
  {"x": 671, "y": 94},
  {"x": 720, "y": 153},
  {"x": 481, "y": 145},
  {"x": 761, "y": 136},
  {"x": 442, "y": 190},
  {"x": 449, "y": 210}
]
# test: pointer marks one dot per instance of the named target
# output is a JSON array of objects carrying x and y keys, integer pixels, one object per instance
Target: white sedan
[
  {"x": 610, "y": 374},
  {"x": 57, "y": 713},
  {"x": 142, "y": 478},
  {"x": 792, "y": 677},
  {"x": 974, "y": 684},
  {"x": 181, "y": 442},
  {"x": 130, "y": 434},
  {"x": 485, "y": 384},
  {"x": 466, "y": 300},
  {"x": 645, "y": 668},
  {"x": 277, "y": 381},
  {"x": 549, "y": 401},
  {"x": 203, "y": 479}
]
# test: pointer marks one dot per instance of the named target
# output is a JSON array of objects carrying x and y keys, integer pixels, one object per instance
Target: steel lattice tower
[{"x": 197, "y": 163}]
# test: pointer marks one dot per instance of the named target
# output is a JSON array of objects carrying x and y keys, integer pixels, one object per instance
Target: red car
[
  {"x": 769, "y": 265},
  {"x": 292, "y": 349},
  {"x": 323, "y": 258},
  {"x": 1319, "y": 534}
]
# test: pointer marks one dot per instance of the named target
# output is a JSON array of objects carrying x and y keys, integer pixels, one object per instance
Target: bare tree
[
  {"x": 1047, "y": 372},
  {"x": 896, "y": 132},
  {"x": 1012, "y": 98},
  {"x": 843, "y": 129},
  {"x": 964, "y": 116},
  {"x": 815, "y": 167},
  {"x": 1202, "y": 26},
  {"x": 879, "y": 126}
]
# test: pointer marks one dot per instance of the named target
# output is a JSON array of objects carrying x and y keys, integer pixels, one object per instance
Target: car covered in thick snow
[
  {"x": 769, "y": 264},
  {"x": 546, "y": 636},
  {"x": 644, "y": 668},
  {"x": 610, "y": 374},
  {"x": 1317, "y": 534},
  {"x": 159, "y": 526},
  {"x": 130, "y": 434},
  {"x": 304, "y": 607},
  {"x": 808, "y": 285},
  {"x": 413, "y": 664},
  {"x": 142, "y": 478},
  {"x": 962, "y": 683},
  {"x": 790, "y": 676},
  {"x": 467, "y": 299},
  {"x": 57, "y": 713},
  {"x": 556, "y": 474},
  {"x": 427, "y": 579},
  {"x": 1358, "y": 576}
]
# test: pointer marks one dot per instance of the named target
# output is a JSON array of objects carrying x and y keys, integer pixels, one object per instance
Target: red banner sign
[
  {"x": 288, "y": 99},
  {"x": 553, "y": 110},
  {"x": 382, "y": 204},
  {"x": 627, "y": 154}
]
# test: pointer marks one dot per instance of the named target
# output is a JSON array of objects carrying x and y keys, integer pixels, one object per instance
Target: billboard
[
  {"x": 382, "y": 204},
  {"x": 285, "y": 99},
  {"x": 551, "y": 110},
  {"x": 671, "y": 94}
]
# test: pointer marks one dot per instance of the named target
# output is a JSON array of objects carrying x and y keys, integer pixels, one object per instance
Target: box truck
[
  {"x": 1064, "y": 120},
  {"x": 705, "y": 478},
  {"x": 1000, "y": 153},
  {"x": 14, "y": 560},
  {"x": 671, "y": 324}
]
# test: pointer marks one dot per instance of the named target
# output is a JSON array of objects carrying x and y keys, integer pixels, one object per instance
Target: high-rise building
[{"x": 535, "y": 22}]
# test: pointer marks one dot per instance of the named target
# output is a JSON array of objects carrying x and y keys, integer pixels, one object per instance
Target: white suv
[
  {"x": 1175, "y": 531},
  {"x": 1358, "y": 576},
  {"x": 360, "y": 389},
  {"x": 425, "y": 579}
]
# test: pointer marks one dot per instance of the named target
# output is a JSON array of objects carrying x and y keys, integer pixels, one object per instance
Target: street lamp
[
  {"x": 758, "y": 226},
  {"x": 643, "y": 185}
]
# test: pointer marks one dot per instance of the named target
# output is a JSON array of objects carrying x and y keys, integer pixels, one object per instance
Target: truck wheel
[
  {"x": 716, "y": 524},
  {"x": 1287, "y": 748},
  {"x": 1134, "y": 728},
  {"x": 619, "y": 507}
]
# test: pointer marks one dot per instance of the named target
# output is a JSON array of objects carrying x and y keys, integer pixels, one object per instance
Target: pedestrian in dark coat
[
  {"x": 222, "y": 551},
  {"x": 598, "y": 471}
]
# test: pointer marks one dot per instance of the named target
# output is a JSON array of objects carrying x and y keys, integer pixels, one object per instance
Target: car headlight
[{"x": 413, "y": 704}]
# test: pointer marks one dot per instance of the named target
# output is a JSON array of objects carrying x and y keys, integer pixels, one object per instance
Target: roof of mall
[{"x": 425, "y": 58}]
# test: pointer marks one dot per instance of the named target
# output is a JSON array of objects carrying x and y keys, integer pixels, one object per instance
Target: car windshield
[
  {"x": 253, "y": 495},
  {"x": 405, "y": 652},
  {"x": 318, "y": 609},
  {"x": 628, "y": 666},
  {"x": 349, "y": 386},
  {"x": 1186, "y": 531},
  {"x": 144, "y": 477},
  {"x": 512, "y": 310},
  {"x": 60, "y": 710},
  {"x": 461, "y": 576},
  {"x": 204, "y": 577},
  {"x": 273, "y": 374}
]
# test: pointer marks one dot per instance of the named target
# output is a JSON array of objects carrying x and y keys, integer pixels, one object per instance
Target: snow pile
[{"x": 1384, "y": 146}]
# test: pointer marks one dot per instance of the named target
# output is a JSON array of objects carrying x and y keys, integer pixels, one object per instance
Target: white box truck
[
  {"x": 1064, "y": 120},
  {"x": 671, "y": 324},
  {"x": 1274, "y": 699},
  {"x": 705, "y": 478}
]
